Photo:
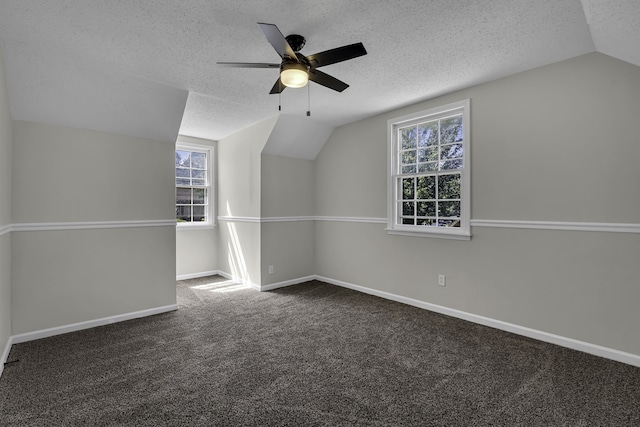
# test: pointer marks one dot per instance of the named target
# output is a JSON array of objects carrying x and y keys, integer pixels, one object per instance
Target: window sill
[
  {"x": 195, "y": 226},
  {"x": 433, "y": 234}
]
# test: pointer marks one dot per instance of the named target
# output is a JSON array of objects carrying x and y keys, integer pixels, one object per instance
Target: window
[
  {"x": 429, "y": 179},
  {"x": 193, "y": 185}
]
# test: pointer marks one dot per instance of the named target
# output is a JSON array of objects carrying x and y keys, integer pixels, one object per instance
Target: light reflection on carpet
[{"x": 221, "y": 287}]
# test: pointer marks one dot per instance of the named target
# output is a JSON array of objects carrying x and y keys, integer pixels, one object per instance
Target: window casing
[
  {"x": 194, "y": 195},
  {"x": 429, "y": 173}
]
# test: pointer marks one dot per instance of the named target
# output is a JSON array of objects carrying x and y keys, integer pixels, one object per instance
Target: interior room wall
[
  {"x": 94, "y": 225},
  {"x": 5, "y": 215},
  {"x": 287, "y": 205},
  {"x": 197, "y": 248},
  {"x": 239, "y": 223},
  {"x": 555, "y": 144},
  {"x": 196, "y": 252}
]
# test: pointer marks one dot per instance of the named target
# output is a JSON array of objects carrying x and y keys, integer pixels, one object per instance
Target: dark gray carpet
[{"x": 308, "y": 355}]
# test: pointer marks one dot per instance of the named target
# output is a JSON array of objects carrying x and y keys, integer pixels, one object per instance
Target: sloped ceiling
[{"x": 127, "y": 67}]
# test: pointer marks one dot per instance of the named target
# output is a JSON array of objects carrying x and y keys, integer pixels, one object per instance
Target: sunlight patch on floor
[{"x": 221, "y": 287}]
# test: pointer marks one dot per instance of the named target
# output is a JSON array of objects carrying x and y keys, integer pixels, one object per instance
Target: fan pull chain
[{"x": 308, "y": 100}]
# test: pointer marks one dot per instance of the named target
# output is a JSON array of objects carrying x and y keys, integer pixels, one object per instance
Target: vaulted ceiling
[{"x": 133, "y": 67}]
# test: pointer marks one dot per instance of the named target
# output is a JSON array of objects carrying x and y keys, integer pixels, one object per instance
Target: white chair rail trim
[
  {"x": 488, "y": 223},
  {"x": 87, "y": 225}
]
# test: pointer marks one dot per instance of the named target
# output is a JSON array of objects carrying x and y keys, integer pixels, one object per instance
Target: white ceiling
[{"x": 130, "y": 66}]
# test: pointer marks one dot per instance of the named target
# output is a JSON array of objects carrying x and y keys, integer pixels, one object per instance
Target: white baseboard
[
  {"x": 597, "y": 350},
  {"x": 273, "y": 286},
  {"x": 44, "y": 333},
  {"x": 269, "y": 287},
  {"x": 5, "y": 354},
  {"x": 198, "y": 275},
  {"x": 237, "y": 279}
]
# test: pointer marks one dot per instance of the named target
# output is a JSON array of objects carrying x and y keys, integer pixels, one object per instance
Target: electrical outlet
[
  {"x": 271, "y": 269},
  {"x": 442, "y": 280}
]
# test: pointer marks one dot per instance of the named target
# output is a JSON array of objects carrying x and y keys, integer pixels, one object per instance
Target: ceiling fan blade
[
  {"x": 248, "y": 65},
  {"x": 277, "y": 88},
  {"x": 327, "y": 80},
  {"x": 338, "y": 54},
  {"x": 277, "y": 40}
]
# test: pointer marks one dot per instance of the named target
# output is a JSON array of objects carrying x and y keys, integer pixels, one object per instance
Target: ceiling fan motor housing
[{"x": 296, "y": 41}]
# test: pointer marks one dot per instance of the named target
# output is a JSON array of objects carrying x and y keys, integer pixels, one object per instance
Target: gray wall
[
  {"x": 196, "y": 251},
  {"x": 556, "y": 143},
  {"x": 72, "y": 176},
  {"x": 239, "y": 188},
  {"x": 287, "y": 191},
  {"x": 5, "y": 213}
]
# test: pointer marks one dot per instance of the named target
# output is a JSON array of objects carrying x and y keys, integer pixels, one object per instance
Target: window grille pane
[
  {"x": 408, "y": 221},
  {"x": 428, "y": 155},
  {"x": 183, "y": 213},
  {"x": 408, "y": 209},
  {"x": 449, "y": 223},
  {"x": 183, "y": 158},
  {"x": 409, "y": 169},
  {"x": 426, "y": 222},
  {"x": 182, "y": 173},
  {"x": 426, "y": 208},
  {"x": 408, "y": 137},
  {"x": 183, "y": 196},
  {"x": 408, "y": 188},
  {"x": 198, "y": 213},
  {"x": 449, "y": 209},
  {"x": 449, "y": 186},
  {"x": 408, "y": 157},
  {"x": 183, "y": 181},
  {"x": 453, "y": 151},
  {"x": 428, "y": 167},
  {"x": 199, "y": 196},
  {"x": 451, "y": 130},
  {"x": 427, "y": 134},
  {"x": 198, "y": 160},
  {"x": 426, "y": 188},
  {"x": 198, "y": 174},
  {"x": 451, "y": 165}
]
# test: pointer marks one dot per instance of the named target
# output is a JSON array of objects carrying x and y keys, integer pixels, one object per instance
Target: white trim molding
[
  {"x": 608, "y": 353},
  {"x": 558, "y": 225},
  {"x": 239, "y": 219},
  {"x": 286, "y": 283},
  {"x": 198, "y": 275},
  {"x": 286, "y": 218},
  {"x": 44, "y": 333},
  {"x": 5, "y": 229},
  {"x": 490, "y": 223},
  {"x": 363, "y": 220},
  {"x": 262, "y": 288},
  {"x": 5, "y": 354},
  {"x": 367, "y": 220},
  {"x": 91, "y": 225}
]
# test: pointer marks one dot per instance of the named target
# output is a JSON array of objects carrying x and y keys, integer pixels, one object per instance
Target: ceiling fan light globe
[{"x": 294, "y": 75}]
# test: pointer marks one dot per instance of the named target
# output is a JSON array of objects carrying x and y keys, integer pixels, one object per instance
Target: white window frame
[
  {"x": 393, "y": 125},
  {"x": 210, "y": 213}
]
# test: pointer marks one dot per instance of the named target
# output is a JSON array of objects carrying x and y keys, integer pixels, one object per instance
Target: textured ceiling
[{"x": 127, "y": 66}]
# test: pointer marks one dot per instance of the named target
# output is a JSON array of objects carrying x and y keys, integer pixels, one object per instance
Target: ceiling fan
[{"x": 297, "y": 69}]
